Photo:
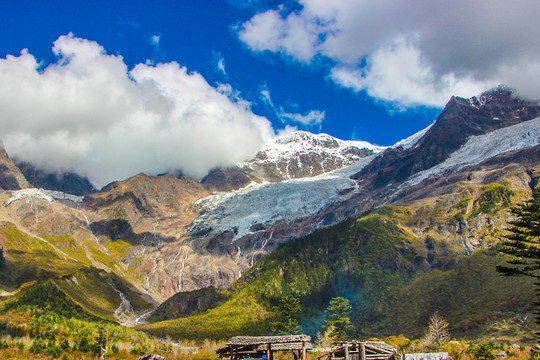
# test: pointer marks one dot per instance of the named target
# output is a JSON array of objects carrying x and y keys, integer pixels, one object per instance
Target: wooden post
[
  {"x": 269, "y": 352},
  {"x": 304, "y": 354},
  {"x": 362, "y": 351},
  {"x": 346, "y": 349}
]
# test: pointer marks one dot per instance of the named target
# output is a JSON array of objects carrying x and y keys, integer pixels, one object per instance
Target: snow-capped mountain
[
  {"x": 297, "y": 155},
  {"x": 303, "y": 154}
]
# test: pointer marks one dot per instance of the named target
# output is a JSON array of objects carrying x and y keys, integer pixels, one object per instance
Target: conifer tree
[
  {"x": 338, "y": 316},
  {"x": 289, "y": 306},
  {"x": 523, "y": 244},
  {"x": 2, "y": 260}
]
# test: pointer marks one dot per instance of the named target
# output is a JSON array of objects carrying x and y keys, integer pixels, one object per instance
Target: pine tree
[
  {"x": 338, "y": 316},
  {"x": 481, "y": 351},
  {"x": 289, "y": 306},
  {"x": 523, "y": 244},
  {"x": 2, "y": 260}
]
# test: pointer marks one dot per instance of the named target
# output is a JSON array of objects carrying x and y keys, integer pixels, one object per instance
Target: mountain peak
[
  {"x": 460, "y": 119},
  {"x": 304, "y": 154},
  {"x": 499, "y": 94}
]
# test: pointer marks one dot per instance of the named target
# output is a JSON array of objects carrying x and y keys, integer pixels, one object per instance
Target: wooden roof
[
  {"x": 256, "y": 344},
  {"x": 260, "y": 340}
]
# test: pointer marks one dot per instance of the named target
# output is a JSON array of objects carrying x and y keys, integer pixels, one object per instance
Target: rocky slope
[{"x": 11, "y": 177}]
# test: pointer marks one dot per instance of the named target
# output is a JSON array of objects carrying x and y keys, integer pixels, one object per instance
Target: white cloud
[
  {"x": 309, "y": 119},
  {"x": 221, "y": 65},
  {"x": 293, "y": 35},
  {"x": 88, "y": 113},
  {"x": 390, "y": 47},
  {"x": 219, "y": 61},
  {"x": 155, "y": 39},
  {"x": 312, "y": 118},
  {"x": 398, "y": 75}
]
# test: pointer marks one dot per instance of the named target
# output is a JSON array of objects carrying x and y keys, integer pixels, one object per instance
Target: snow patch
[
  {"x": 413, "y": 139},
  {"x": 482, "y": 147},
  {"x": 48, "y": 195}
]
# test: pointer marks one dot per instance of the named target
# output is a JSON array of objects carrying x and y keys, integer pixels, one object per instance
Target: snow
[
  {"x": 301, "y": 142},
  {"x": 413, "y": 139},
  {"x": 48, "y": 195},
  {"x": 271, "y": 203},
  {"x": 482, "y": 147}
]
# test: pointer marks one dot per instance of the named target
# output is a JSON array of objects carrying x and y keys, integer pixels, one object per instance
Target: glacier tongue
[
  {"x": 48, "y": 195},
  {"x": 271, "y": 203},
  {"x": 482, "y": 147}
]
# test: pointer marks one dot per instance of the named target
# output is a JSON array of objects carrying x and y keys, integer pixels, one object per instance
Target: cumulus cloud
[
  {"x": 309, "y": 119},
  {"x": 411, "y": 53},
  {"x": 397, "y": 74},
  {"x": 293, "y": 35},
  {"x": 90, "y": 114}
]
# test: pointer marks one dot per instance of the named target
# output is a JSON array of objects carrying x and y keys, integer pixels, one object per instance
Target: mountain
[
  {"x": 461, "y": 119},
  {"x": 310, "y": 216},
  {"x": 297, "y": 155}
]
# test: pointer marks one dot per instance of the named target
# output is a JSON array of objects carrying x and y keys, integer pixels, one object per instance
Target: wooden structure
[
  {"x": 361, "y": 350},
  {"x": 263, "y": 347},
  {"x": 151, "y": 357}
]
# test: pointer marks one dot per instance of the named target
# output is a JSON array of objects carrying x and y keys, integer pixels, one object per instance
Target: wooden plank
[
  {"x": 362, "y": 351},
  {"x": 379, "y": 355},
  {"x": 379, "y": 349}
]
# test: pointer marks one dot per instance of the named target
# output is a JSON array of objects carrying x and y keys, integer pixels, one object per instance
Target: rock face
[
  {"x": 68, "y": 182},
  {"x": 11, "y": 177},
  {"x": 460, "y": 119}
]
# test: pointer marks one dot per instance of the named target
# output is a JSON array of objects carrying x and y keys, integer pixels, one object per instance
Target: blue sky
[{"x": 364, "y": 70}]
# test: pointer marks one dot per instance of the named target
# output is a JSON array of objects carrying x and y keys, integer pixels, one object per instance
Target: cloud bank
[
  {"x": 409, "y": 53},
  {"x": 90, "y": 114}
]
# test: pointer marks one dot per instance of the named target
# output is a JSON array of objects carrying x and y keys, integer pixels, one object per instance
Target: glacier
[
  {"x": 271, "y": 203},
  {"x": 482, "y": 147}
]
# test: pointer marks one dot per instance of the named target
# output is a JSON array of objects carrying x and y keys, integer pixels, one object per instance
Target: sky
[{"x": 109, "y": 89}]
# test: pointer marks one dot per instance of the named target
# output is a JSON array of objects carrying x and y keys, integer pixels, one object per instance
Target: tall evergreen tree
[
  {"x": 289, "y": 306},
  {"x": 523, "y": 244},
  {"x": 2, "y": 260},
  {"x": 338, "y": 316}
]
